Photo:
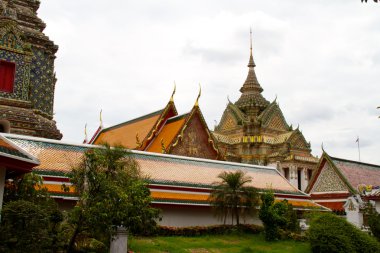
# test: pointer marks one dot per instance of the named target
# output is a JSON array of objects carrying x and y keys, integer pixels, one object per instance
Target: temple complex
[
  {"x": 163, "y": 131},
  {"x": 253, "y": 130},
  {"x": 27, "y": 77}
]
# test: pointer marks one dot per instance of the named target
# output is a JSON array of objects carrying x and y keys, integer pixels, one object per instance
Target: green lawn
[{"x": 244, "y": 243}]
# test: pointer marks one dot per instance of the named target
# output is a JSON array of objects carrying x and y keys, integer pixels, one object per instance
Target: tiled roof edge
[{"x": 356, "y": 162}]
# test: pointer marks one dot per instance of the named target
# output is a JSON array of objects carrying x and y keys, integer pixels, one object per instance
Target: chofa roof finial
[
  {"x": 172, "y": 97},
  {"x": 199, "y": 95}
]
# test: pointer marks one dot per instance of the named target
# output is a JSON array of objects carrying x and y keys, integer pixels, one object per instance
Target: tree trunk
[{"x": 70, "y": 247}]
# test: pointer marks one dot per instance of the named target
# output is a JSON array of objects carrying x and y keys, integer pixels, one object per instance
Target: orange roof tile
[
  {"x": 167, "y": 134},
  {"x": 125, "y": 133}
]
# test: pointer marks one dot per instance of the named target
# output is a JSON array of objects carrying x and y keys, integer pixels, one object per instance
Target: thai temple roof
[
  {"x": 125, "y": 133},
  {"x": 58, "y": 158},
  {"x": 358, "y": 173},
  {"x": 352, "y": 173}
]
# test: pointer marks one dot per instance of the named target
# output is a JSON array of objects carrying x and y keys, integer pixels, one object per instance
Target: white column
[
  {"x": 120, "y": 242},
  {"x": 293, "y": 175},
  {"x": 2, "y": 185}
]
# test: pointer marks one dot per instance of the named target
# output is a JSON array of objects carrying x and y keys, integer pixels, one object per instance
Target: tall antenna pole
[{"x": 358, "y": 141}]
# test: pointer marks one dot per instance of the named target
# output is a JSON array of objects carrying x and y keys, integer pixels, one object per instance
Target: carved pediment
[
  {"x": 329, "y": 181},
  {"x": 273, "y": 118},
  {"x": 228, "y": 122},
  {"x": 297, "y": 140}
]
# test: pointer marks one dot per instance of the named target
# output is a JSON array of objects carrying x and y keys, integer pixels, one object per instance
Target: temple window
[
  {"x": 7, "y": 76},
  {"x": 309, "y": 174},
  {"x": 299, "y": 181}
]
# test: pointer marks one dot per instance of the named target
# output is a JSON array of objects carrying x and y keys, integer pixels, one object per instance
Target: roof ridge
[
  {"x": 134, "y": 120},
  {"x": 357, "y": 162}
]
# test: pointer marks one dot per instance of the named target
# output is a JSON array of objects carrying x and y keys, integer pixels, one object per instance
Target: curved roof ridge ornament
[
  {"x": 174, "y": 90},
  {"x": 199, "y": 95}
]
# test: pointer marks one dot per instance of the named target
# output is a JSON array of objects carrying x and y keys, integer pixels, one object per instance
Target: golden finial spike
[
  {"x": 101, "y": 118},
  {"x": 172, "y": 97},
  {"x": 199, "y": 95}
]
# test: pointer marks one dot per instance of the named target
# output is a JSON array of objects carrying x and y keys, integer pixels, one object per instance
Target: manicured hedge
[
  {"x": 333, "y": 234},
  {"x": 207, "y": 230}
]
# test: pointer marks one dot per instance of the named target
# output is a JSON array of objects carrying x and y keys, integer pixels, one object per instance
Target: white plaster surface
[{"x": 195, "y": 216}]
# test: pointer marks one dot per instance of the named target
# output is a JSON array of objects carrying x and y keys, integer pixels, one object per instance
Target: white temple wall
[{"x": 185, "y": 216}]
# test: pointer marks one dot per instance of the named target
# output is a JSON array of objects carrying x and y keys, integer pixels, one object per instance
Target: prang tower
[
  {"x": 254, "y": 130},
  {"x": 27, "y": 78}
]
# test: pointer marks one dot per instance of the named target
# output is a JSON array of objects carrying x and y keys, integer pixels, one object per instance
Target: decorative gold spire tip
[
  {"x": 199, "y": 95},
  {"x": 172, "y": 97}
]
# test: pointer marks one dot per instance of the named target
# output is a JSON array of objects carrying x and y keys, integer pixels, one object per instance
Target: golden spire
[
  {"x": 101, "y": 118},
  {"x": 172, "y": 97},
  {"x": 199, "y": 95}
]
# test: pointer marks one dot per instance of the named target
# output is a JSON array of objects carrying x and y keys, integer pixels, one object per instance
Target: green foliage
[
  {"x": 112, "y": 193},
  {"x": 231, "y": 197},
  {"x": 28, "y": 187},
  {"x": 373, "y": 220},
  {"x": 208, "y": 230},
  {"x": 24, "y": 228},
  {"x": 276, "y": 216},
  {"x": 28, "y": 214},
  {"x": 330, "y": 233}
]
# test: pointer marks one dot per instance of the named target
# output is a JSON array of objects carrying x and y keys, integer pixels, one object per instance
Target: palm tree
[{"x": 231, "y": 196}]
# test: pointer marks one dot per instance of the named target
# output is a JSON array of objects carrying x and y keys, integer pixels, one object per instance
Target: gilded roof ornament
[
  {"x": 163, "y": 149},
  {"x": 174, "y": 90},
  {"x": 199, "y": 95}
]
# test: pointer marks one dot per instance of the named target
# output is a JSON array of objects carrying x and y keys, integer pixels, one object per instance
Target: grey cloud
[{"x": 214, "y": 55}]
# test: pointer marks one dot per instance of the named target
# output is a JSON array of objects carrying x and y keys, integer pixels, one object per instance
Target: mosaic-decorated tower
[{"x": 27, "y": 78}]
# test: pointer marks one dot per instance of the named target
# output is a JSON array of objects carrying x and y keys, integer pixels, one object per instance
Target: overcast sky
[{"x": 321, "y": 59}]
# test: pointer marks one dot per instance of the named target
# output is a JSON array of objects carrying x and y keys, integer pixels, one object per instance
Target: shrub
[
  {"x": 330, "y": 233},
  {"x": 276, "y": 216}
]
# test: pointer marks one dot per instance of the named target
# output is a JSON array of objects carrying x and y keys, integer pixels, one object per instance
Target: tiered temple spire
[{"x": 251, "y": 101}]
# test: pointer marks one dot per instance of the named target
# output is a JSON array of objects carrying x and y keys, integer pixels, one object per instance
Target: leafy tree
[
  {"x": 277, "y": 216},
  {"x": 231, "y": 197},
  {"x": 30, "y": 218},
  {"x": 112, "y": 193}
]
